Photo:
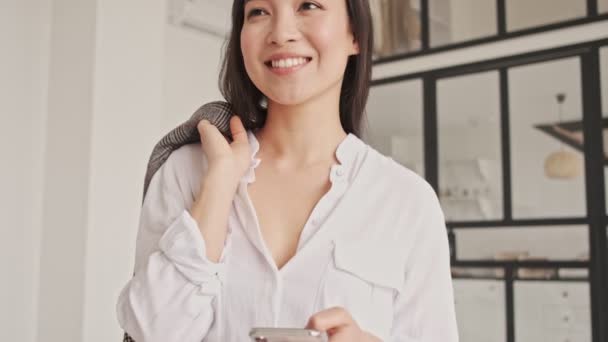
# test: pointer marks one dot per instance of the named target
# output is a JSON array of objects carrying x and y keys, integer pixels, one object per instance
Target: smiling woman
[{"x": 295, "y": 222}]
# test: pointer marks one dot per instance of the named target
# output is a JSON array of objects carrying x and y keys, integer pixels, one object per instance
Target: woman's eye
[
  {"x": 258, "y": 11},
  {"x": 255, "y": 12},
  {"x": 309, "y": 4}
]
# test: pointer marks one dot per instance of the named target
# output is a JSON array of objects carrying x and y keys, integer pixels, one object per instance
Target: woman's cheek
[
  {"x": 245, "y": 45},
  {"x": 323, "y": 36},
  {"x": 324, "y": 40},
  {"x": 247, "y": 48}
]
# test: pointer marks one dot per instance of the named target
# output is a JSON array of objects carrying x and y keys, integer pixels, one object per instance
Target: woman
[{"x": 296, "y": 222}]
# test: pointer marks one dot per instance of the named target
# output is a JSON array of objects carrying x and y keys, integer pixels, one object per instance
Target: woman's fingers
[
  {"x": 235, "y": 157},
  {"x": 208, "y": 132},
  {"x": 340, "y": 326},
  {"x": 237, "y": 129},
  {"x": 240, "y": 141},
  {"x": 330, "y": 320},
  {"x": 213, "y": 142}
]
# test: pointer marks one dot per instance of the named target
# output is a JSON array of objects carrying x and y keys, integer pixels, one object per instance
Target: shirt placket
[{"x": 326, "y": 203}]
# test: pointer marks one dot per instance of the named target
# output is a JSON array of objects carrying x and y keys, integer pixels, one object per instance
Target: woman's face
[{"x": 295, "y": 50}]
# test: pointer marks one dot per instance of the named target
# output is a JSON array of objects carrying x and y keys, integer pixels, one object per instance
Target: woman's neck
[{"x": 295, "y": 137}]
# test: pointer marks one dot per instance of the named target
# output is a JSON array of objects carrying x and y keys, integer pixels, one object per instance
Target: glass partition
[
  {"x": 397, "y": 26},
  {"x": 480, "y": 310},
  {"x": 547, "y": 164},
  {"x": 602, "y": 6},
  {"x": 532, "y": 243},
  {"x": 552, "y": 311},
  {"x": 522, "y": 14},
  {"x": 395, "y": 128},
  {"x": 453, "y": 21},
  {"x": 470, "y": 162}
]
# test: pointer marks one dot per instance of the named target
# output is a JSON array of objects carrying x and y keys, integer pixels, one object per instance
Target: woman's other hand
[
  {"x": 231, "y": 160},
  {"x": 340, "y": 326}
]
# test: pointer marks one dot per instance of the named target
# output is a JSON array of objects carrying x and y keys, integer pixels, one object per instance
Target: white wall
[
  {"x": 126, "y": 115},
  {"x": 64, "y": 216},
  {"x": 23, "y": 63},
  {"x": 87, "y": 89},
  {"x": 192, "y": 61},
  {"x": 184, "y": 76}
]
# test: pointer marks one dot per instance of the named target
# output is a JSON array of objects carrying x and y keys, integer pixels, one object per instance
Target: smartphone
[{"x": 286, "y": 335}]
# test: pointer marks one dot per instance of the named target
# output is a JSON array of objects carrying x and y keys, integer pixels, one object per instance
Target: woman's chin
[{"x": 286, "y": 100}]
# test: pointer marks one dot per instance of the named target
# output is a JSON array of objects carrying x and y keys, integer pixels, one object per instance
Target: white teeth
[{"x": 288, "y": 62}]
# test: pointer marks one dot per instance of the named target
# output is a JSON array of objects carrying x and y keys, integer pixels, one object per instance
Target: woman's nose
[{"x": 284, "y": 29}]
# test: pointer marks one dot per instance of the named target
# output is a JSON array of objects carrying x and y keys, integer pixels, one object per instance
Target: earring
[{"x": 264, "y": 102}]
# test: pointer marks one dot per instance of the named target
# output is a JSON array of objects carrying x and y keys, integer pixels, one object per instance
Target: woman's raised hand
[
  {"x": 227, "y": 165},
  {"x": 231, "y": 160}
]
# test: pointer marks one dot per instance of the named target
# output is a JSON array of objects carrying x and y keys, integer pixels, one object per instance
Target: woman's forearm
[{"x": 211, "y": 208}]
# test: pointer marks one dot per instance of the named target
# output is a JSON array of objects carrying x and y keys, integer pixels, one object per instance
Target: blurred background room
[{"x": 502, "y": 105}]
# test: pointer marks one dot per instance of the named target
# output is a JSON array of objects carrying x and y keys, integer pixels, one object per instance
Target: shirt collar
[
  {"x": 255, "y": 147},
  {"x": 346, "y": 153},
  {"x": 347, "y": 150}
]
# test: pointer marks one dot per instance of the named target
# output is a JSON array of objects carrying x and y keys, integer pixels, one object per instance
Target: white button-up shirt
[{"x": 375, "y": 244}]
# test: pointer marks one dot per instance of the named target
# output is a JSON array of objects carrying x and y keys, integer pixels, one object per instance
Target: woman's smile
[{"x": 287, "y": 66}]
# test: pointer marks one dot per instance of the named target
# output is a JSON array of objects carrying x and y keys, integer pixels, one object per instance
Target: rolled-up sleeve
[
  {"x": 424, "y": 308},
  {"x": 172, "y": 295}
]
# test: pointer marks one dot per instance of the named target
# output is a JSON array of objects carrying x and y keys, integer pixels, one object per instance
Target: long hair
[{"x": 246, "y": 99}]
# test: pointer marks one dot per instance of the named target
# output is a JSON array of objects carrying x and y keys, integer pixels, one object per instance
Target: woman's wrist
[
  {"x": 214, "y": 197},
  {"x": 224, "y": 174}
]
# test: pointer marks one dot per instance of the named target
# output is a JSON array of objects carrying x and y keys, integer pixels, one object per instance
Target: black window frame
[{"x": 502, "y": 33}]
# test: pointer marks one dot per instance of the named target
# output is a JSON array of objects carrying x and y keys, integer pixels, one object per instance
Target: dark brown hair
[{"x": 246, "y": 99}]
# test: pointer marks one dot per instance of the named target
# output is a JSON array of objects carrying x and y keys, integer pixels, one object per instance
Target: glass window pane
[
  {"x": 604, "y": 92},
  {"x": 470, "y": 171},
  {"x": 544, "y": 243},
  {"x": 602, "y": 6},
  {"x": 394, "y": 113},
  {"x": 480, "y": 308},
  {"x": 523, "y": 14},
  {"x": 547, "y": 170},
  {"x": 552, "y": 311},
  {"x": 453, "y": 21},
  {"x": 396, "y": 26}
]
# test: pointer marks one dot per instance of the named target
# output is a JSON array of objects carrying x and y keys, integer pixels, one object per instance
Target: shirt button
[
  {"x": 315, "y": 221},
  {"x": 340, "y": 172}
]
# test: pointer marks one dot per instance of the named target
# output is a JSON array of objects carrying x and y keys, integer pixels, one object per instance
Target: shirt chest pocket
[{"x": 364, "y": 280}]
